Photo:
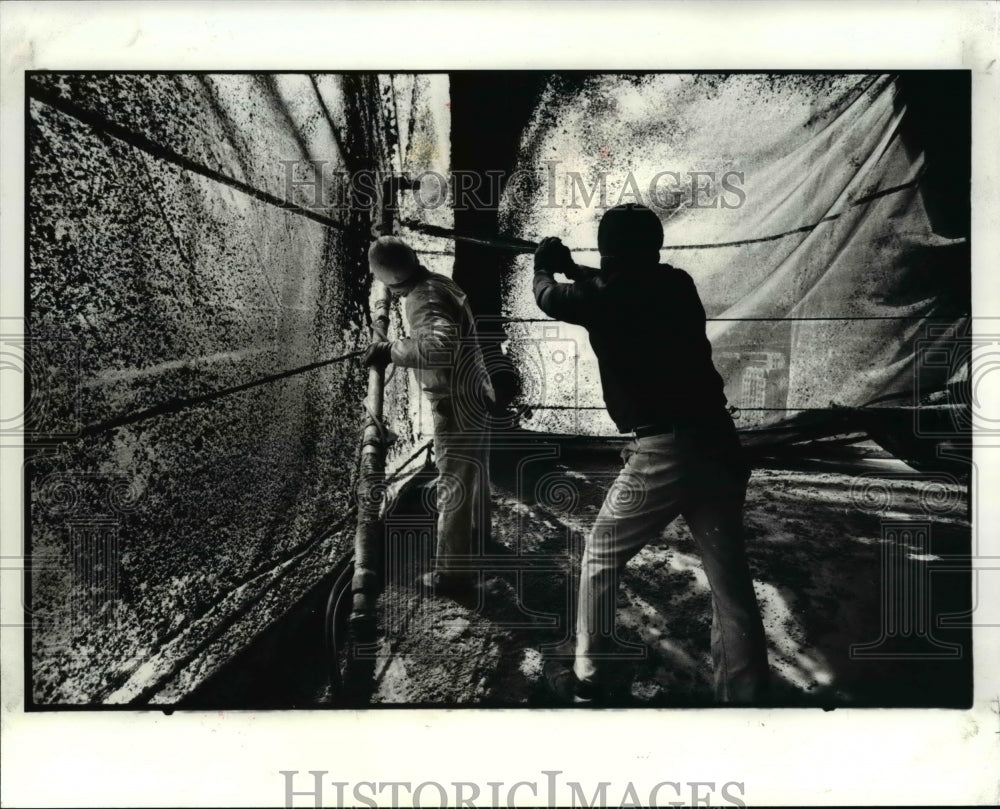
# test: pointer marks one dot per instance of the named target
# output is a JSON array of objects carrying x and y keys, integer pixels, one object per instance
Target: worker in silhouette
[
  {"x": 443, "y": 351},
  {"x": 647, "y": 327}
]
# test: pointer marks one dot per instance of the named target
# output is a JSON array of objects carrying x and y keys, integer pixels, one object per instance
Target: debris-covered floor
[{"x": 828, "y": 540}]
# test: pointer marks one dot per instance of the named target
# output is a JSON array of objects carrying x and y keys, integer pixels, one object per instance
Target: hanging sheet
[{"x": 796, "y": 204}]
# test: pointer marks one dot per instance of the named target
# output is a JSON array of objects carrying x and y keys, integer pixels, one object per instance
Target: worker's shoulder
[
  {"x": 651, "y": 279},
  {"x": 675, "y": 276},
  {"x": 670, "y": 271},
  {"x": 435, "y": 288},
  {"x": 437, "y": 284}
]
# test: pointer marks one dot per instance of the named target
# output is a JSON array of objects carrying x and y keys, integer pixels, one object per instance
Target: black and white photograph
[
  {"x": 354, "y": 393},
  {"x": 770, "y": 344}
]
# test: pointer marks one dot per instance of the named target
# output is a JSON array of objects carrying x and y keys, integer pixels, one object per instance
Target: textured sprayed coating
[{"x": 163, "y": 546}]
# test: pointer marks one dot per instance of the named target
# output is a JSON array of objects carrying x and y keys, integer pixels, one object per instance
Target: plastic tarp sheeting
[{"x": 819, "y": 317}]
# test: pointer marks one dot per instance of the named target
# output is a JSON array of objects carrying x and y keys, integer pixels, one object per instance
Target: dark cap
[{"x": 629, "y": 229}]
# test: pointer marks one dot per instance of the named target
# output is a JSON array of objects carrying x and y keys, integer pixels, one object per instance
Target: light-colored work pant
[
  {"x": 462, "y": 454},
  {"x": 697, "y": 472}
]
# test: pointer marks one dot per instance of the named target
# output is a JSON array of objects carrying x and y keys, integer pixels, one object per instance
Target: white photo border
[{"x": 783, "y": 757}]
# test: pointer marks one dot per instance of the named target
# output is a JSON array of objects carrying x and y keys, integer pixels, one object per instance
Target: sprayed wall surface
[
  {"x": 811, "y": 318},
  {"x": 162, "y": 546}
]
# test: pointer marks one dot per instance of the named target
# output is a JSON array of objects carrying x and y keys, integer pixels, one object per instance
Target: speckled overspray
[{"x": 165, "y": 284}]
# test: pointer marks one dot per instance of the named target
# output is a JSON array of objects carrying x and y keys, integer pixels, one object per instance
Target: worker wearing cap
[
  {"x": 443, "y": 351},
  {"x": 647, "y": 327}
]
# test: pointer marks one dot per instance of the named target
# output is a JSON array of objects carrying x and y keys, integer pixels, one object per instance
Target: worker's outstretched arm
[{"x": 572, "y": 303}]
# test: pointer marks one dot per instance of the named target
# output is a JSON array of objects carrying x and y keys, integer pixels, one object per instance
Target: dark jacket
[{"x": 647, "y": 328}]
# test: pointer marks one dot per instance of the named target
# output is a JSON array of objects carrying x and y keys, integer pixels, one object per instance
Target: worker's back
[
  {"x": 647, "y": 328},
  {"x": 438, "y": 314}
]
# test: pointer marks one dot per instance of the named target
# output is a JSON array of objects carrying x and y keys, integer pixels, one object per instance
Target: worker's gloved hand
[
  {"x": 378, "y": 355},
  {"x": 553, "y": 256}
]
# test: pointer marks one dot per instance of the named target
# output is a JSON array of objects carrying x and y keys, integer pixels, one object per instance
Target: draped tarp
[{"x": 801, "y": 317}]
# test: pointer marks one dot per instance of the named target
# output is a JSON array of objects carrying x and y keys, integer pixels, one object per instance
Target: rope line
[
  {"x": 334, "y": 129},
  {"x": 516, "y": 245},
  {"x": 833, "y": 408},
  {"x": 383, "y": 431},
  {"x": 848, "y": 318},
  {"x": 500, "y": 243},
  {"x": 424, "y": 448},
  {"x": 144, "y": 144},
  {"x": 100, "y": 123},
  {"x": 433, "y": 252},
  {"x": 805, "y": 228},
  {"x": 838, "y": 318},
  {"x": 394, "y": 126},
  {"x": 176, "y": 405},
  {"x": 139, "y": 141}
]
